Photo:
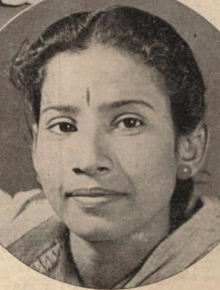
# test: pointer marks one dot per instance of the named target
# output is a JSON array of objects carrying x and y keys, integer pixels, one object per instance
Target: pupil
[
  {"x": 129, "y": 123},
  {"x": 64, "y": 127}
]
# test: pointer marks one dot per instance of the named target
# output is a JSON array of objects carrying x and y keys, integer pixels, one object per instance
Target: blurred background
[{"x": 16, "y": 170}]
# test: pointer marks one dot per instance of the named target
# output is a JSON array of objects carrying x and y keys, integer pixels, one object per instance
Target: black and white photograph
[{"x": 109, "y": 141}]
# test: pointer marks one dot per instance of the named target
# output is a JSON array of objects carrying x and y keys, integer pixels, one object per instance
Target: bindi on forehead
[{"x": 88, "y": 97}]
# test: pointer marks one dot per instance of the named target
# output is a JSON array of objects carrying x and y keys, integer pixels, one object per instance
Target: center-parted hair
[
  {"x": 124, "y": 28},
  {"x": 139, "y": 34}
]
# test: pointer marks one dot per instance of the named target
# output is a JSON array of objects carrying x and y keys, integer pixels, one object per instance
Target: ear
[{"x": 192, "y": 148}]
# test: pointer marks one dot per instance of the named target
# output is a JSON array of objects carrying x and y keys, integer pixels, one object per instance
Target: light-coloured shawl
[{"x": 30, "y": 231}]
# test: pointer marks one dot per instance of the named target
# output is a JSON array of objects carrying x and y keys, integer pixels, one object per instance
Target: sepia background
[{"x": 16, "y": 172}]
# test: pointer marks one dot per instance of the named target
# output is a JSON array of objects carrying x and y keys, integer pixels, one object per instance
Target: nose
[{"x": 93, "y": 157}]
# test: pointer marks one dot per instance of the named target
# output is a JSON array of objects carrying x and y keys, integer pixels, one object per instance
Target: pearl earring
[{"x": 184, "y": 172}]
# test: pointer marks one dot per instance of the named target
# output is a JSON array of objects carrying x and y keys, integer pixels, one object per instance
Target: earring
[{"x": 184, "y": 172}]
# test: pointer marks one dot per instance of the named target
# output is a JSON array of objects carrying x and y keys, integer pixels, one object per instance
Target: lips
[
  {"x": 94, "y": 197},
  {"x": 94, "y": 192}
]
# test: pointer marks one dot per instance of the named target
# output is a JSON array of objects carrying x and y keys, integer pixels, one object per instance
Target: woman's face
[{"x": 104, "y": 148}]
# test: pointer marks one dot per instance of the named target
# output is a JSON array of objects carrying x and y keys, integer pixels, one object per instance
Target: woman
[{"x": 119, "y": 104}]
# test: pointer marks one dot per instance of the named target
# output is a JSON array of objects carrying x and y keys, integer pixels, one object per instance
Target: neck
[{"x": 105, "y": 263}]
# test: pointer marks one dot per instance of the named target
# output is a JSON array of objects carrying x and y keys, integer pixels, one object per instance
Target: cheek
[
  {"x": 150, "y": 164},
  {"x": 146, "y": 154},
  {"x": 46, "y": 160}
]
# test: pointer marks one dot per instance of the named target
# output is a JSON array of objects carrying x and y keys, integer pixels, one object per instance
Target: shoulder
[
  {"x": 202, "y": 231},
  {"x": 185, "y": 246},
  {"x": 194, "y": 239},
  {"x": 29, "y": 229},
  {"x": 40, "y": 245},
  {"x": 28, "y": 226}
]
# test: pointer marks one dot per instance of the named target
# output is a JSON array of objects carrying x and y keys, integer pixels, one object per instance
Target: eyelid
[
  {"x": 123, "y": 116},
  {"x": 56, "y": 129},
  {"x": 61, "y": 119}
]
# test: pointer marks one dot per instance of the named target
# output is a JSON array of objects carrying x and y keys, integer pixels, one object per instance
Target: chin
[
  {"x": 93, "y": 236},
  {"x": 95, "y": 230}
]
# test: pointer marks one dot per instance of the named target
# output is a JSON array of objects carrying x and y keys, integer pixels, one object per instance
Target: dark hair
[{"x": 134, "y": 31}]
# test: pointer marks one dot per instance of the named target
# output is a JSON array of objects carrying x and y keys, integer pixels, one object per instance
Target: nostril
[
  {"x": 77, "y": 171},
  {"x": 102, "y": 169},
  {"x": 90, "y": 170}
]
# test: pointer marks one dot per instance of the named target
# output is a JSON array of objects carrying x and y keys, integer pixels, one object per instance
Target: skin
[
  {"x": 105, "y": 123},
  {"x": 134, "y": 157}
]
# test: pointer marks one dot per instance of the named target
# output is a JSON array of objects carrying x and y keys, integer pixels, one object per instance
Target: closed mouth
[{"x": 94, "y": 193}]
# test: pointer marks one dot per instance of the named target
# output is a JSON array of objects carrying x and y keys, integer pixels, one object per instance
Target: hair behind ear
[
  {"x": 192, "y": 148},
  {"x": 179, "y": 205}
]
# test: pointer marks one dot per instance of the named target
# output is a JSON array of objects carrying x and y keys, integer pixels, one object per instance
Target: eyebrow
[
  {"x": 119, "y": 104},
  {"x": 61, "y": 108},
  {"x": 104, "y": 107}
]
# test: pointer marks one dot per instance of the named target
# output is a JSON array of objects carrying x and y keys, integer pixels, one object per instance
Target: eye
[
  {"x": 63, "y": 127},
  {"x": 129, "y": 123}
]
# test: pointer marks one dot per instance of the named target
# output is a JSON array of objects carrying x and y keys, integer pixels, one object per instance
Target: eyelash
[
  {"x": 69, "y": 127},
  {"x": 135, "y": 120},
  {"x": 65, "y": 122}
]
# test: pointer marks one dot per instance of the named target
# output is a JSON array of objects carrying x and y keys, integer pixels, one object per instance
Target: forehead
[{"x": 105, "y": 72}]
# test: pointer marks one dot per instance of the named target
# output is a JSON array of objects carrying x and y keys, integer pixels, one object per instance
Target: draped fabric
[{"x": 31, "y": 232}]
